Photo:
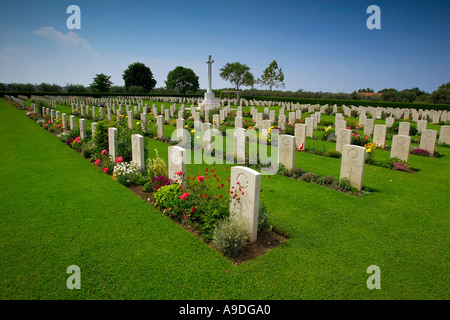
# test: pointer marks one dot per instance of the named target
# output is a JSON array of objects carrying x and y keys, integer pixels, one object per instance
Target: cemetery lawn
[{"x": 59, "y": 210}]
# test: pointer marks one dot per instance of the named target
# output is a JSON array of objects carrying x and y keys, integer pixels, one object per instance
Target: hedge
[{"x": 385, "y": 104}]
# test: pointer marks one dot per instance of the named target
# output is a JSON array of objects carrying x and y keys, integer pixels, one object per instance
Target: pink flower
[
  {"x": 58, "y": 125},
  {"x": 105, "y": 170},
  {"x": 96, "y": 162},
  {"x": 104, "y": 152},
  {"x": 367, "y": 138},
  {"x": 358, "y": 136},
  {"x": 200, "y": 178},
  {"x": 119, "y": 159},
  {"x": 415, "y": 140},
  {"x": 353, "y": 134}
]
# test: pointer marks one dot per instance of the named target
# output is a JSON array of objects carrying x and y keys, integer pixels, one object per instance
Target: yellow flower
[
  {"x": 138, "y": 123},
  {"x": 198, "y": 137},
  {"x": 192, "y": 131},
  {"x": 369, "y": 150}
]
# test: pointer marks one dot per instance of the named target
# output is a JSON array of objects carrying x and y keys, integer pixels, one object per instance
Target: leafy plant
[
  {"x": 296, "y": 172},
  {"x": 230, "y": 237},
  {"x": 309, "y": 177},
  {"x": 166, "y": 195},
  {"x": 157, "y": 166},
  {"x": 333, "y": 154},
  {"x": 263, "y": 215}
]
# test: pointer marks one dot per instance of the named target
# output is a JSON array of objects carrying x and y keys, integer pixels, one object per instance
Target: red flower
[
  {"x": 105, "y": 170},
  {"x": 215, "y": 175},
  {"x": 119, "y": 159},
  {"x": 179, "y": 173},
  {"x": 193, "y": 209},
  {"x": 200, "y": 178},
  {"x": 222, "y": 185},
  {"x": 184, "y": 195},
  {"x": 104, "y": 152},
  {"x": 220, "y": 196},
  {"x": 181, "y": 187}
]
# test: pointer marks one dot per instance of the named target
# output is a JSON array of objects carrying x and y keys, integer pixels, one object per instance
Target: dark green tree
[
  {"x": 47, "y": 87},
  {"x": 101, "y": 83},
  {"x": 238, "y": 74},
  {"x": 272, "y": 76},
  {"x": 138, "y": 74},
  {"x": 182, "y": 80},
  {"x": 70, "y": 87},
  {"x": 442, "y": 94}
]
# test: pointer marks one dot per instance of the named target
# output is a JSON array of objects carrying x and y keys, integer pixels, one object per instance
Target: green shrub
[
  {"x": 148, "y": 187},
  {"x": 87, "y": 149},
  {"x": 230, "y": 238},
  {"x": 101, "y": 137},
  {"x": 157, "y": 166},
  {"x": 142, "y": 181},
  {"x": 296, "y": 172},
  {"x": 333, "y": 154},
  {"x": 263, "y": 215},
  {"x": 165, "y": 195},
  {"x": 344, "y": 184},
  {"x": 282, "y": 170},
  {"x": 309, "y": 177},
  {"x": 124, "y": 143},
  {"x": 123, "y": 180},
  {"x": 328, "y": 179}
]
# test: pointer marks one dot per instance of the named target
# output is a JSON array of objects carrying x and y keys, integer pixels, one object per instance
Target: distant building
[{"x": 368, "y": 94}]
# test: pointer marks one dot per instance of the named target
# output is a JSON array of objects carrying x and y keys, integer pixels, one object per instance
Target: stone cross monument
[{"x": 210, "y": 101}]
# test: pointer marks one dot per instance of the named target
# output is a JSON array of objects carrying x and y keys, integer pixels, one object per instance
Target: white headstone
[
  {"x": 400, "y": 147},
  {"x": 137, "y": 150},
  {"x": 286, "y": 151},
  {"x": 177, "y": 163},
  {"x": 352, "y": 165},
  {"x": 245, "y": 185}
]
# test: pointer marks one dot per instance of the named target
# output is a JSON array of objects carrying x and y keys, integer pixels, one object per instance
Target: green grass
[{"x": 58, "y": 210}]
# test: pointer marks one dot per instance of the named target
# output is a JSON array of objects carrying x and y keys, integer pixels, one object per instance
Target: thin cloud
[
  {"x": 14, "y": 50},
  {"x": 59, "y": 37}
]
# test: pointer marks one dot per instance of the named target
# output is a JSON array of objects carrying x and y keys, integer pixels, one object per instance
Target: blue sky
[{"x": 320, "y": 45}]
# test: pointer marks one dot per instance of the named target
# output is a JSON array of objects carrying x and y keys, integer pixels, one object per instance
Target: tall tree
[
  {"x": 138, "y": 74},
  {"x": 272, "y": 76},
  {"x": 238, "y": 74},
  {"x": 101, "y": 83},
  {"x": 442, "y": 94},
  {"x": 182, "y": 80}
]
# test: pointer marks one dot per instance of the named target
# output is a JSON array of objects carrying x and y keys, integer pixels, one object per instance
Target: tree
[
  {"x": 101, "y": 83},
  {"x": 182, "y": 80},
  {"x": 70, "y": 87},
  {"x": 138, "y": 74},
  {"x": 238, "y": 74},
  {"x": 47, "y": 87},
  {"x": 442, "y": 94},
  {"x": 272, "y": 76}
]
